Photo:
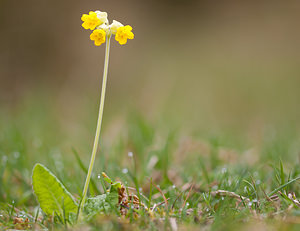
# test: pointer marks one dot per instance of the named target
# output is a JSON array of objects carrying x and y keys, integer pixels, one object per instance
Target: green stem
[{"x": 98, "y": 129}]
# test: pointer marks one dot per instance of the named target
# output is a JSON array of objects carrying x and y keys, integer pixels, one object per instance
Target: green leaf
[
  {"x": 52, "y": 196},
  {"x": 104, "y": 203},
  {"x": 95, "y": 205},
  {"x": 112, "y": 197},
  {"x": 115, "y": 186}
]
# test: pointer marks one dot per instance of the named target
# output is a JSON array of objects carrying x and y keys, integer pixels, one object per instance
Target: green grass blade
[
  {"x": 283, "y": 186},
  {"x": 281, "y": 173},
  {"x": 85, "y": 170}
]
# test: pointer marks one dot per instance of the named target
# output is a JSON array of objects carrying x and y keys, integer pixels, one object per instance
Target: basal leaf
[
  {"x": 104, "y": 203},
  {"x": 96, "y": 205},
  {"x": 52, "y": 196}
]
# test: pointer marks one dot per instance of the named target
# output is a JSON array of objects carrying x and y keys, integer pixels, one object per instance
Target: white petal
[
  {"x": 114, "y": 26},
  {"x": 102, "y": 16},
  {"x": 104, "y": 27}
]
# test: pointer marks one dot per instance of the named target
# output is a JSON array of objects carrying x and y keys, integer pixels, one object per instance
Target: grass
[{"x": 213, "y": 181}]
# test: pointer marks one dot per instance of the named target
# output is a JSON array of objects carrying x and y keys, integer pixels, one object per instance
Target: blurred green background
[
  {"x": 201, "y": 67},
  {"x": 207, "y": 92}
]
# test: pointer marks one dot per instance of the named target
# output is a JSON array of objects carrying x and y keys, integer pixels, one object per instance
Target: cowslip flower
[
  {"x": 97, "y": 22},
  {"x": 93, "y": 19},
  {"x": 124, "y": 33},
  {"x": 98, "y": 36}
]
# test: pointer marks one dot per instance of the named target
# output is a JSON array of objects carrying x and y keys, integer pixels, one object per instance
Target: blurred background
[
  {"x": 202, "y": 67},
  {"x": 205, "y": 85}
]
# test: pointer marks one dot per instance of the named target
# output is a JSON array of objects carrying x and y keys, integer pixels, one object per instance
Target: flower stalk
[{"x": 99, "y": 122}]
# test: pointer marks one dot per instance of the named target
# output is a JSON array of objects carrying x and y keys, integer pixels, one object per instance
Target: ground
[{"x": 200, "y": 180}]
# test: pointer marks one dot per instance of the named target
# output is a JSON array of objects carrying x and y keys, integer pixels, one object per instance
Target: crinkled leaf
[
  {"x": 104, "y": 203},
  {"x": 52, "y": 196},
  {"x": 112, "y": 197}
]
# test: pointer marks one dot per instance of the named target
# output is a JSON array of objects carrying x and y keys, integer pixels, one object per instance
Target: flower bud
[
  {"x": 114, "y": 26},
  {"x": 102, "y": 16}
]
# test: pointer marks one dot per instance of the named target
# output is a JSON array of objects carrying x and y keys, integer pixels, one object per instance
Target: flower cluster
[{"x": 97, "y": 22}]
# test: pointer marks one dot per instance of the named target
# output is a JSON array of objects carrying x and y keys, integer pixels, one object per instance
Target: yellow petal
[
  {"x": 85, "y": 25},
  {"x": 92, "y": 36},
  {"x": 128, "y": 27},
  {"x": 84, "y": 17},
  {"x": 131, "y": 35}
]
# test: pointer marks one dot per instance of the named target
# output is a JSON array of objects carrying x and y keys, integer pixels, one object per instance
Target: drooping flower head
[{"x": 97, "y": 22}]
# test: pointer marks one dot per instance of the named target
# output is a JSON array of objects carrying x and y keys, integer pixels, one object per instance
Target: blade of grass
[
  {"x": 12, "y": 211},
  {"x": 37, "y": 215},
  {"x": 252, "y": 187},
  {"x": 204, "y": 172},
  {"x": 281, "y": 173},
  {"x": 85, "y": 170},
  {"x": 150, "y": 193},
  {"x": 173, "y": 205},
  {"x": 283, "y": 186},
  {"x": 189, "y": 193},
  {"x": 163, "y": 195}
]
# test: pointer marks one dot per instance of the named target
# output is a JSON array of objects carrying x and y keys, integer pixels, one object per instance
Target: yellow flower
[
  {"x": 98, "y": 36},
  {"x": 124, "y": 33},
  {"x": 93, "y": 19}
]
